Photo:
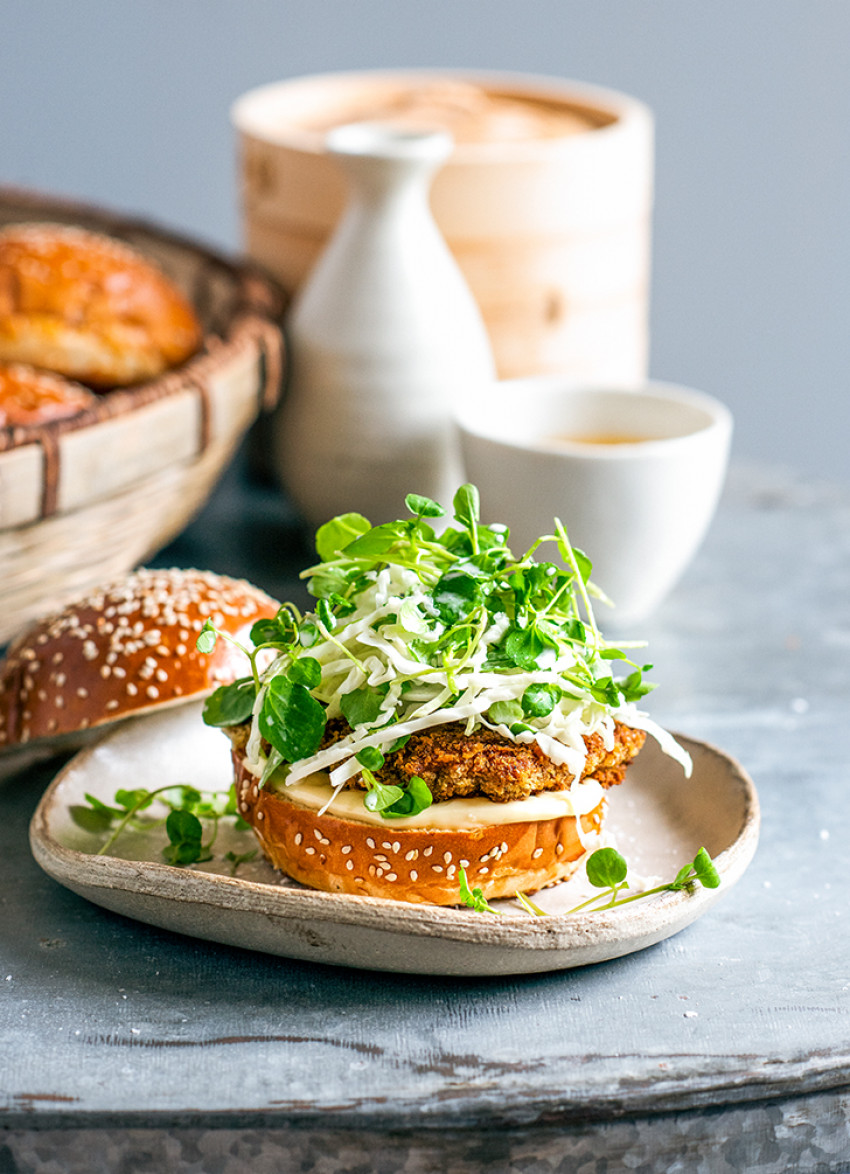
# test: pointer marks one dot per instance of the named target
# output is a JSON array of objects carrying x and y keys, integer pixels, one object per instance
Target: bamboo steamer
[
  {"x": 546, "y": 202},
  {"x": 85, "y": 499}
]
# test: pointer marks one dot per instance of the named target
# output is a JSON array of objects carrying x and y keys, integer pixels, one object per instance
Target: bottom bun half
[{"x": 419, "y": 865}]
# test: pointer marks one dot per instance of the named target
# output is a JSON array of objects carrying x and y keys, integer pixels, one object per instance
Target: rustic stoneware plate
[{"x": 658, "y": 820}]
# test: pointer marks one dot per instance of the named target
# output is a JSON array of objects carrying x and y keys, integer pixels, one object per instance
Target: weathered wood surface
[{"x": 673, "y": 1051}]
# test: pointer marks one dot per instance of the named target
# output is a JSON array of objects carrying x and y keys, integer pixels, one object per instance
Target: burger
[{"x": 446, "y": 709}]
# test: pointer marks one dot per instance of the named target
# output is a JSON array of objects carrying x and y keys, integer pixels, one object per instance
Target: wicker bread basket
[{"x": 84, "y": 499}]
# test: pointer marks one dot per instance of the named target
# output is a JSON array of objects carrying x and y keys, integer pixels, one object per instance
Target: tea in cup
[{"x": 633, "y": 474}]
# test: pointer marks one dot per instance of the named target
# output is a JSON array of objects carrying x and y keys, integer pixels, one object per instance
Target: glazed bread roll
[
  {"x": 29, "y": 397},
  {"x": 89, "y": 307},
  {"x": 124, "y": 649}
]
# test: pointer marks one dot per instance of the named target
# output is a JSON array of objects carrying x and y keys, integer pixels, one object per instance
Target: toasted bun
[
  {"x": 408, "y": 864},
  {"x": 29, "y": 397},
  {"x": 89, "y": 307},
  {"x": 125, "y": 649}
]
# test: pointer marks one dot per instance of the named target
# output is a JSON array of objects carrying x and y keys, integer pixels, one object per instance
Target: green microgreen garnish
[
  {"x": 608, "y": 870},
  {"x": 191, "y": 815}
]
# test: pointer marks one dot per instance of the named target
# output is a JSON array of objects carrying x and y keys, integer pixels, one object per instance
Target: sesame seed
[
  {"x": 298, "y": 839},
  {"x": 59, "y": 702},
  {"x": 427, "y": 851},
  {"x": 504, "y": 847},
  {"x": 451, "y": 870},
  {"x": 464, "y": 864},
  {"x": 310, "y": 851},
  {"x": 346, "y": 849},
  {"x": 391, "y": 876},
  {"x": 414, "y": 875},
  {"x": 152, "y": 692},
  {"x": 537, "y": 853},
  {"x": 81, "y": 692},
  {"x": 261, "y": 815},
  {"x": 349, "y": 864},
  {"x": 371, "y": 842},
  {"x": 386, "y": 844},
  {"x": 61, "y": 678},
  {"x": 483, "y": 871},
  {"x": 112, "y": 704},
  {"x": 447, "y": 858},
  {"x": 559, "y": 848},
  {"x": 317, "y": 834},
  {"x": 132, "y": 689},
  {"x": 412, "y": 854},
  {"x": 436, "y": 868},
  {"x": 161, "y": 675}
]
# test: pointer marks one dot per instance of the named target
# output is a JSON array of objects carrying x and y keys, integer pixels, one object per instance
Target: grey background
[{"x": 126, "y": 104}]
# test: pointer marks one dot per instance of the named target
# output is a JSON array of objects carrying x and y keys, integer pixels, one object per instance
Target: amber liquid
[{"x": 597, "y": 438}]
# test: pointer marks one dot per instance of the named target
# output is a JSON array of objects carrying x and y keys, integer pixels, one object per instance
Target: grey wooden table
[{"x": 128, "y": 1048}]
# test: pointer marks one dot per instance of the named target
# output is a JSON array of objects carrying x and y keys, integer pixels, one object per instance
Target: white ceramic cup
[{"x": 634, "y": 475}]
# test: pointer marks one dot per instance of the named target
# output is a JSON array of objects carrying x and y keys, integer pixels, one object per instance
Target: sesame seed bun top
[{"x": 122, "y": 650}]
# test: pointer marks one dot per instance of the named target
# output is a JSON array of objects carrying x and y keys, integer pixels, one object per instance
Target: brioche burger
[{"x": 446, "y": 707}]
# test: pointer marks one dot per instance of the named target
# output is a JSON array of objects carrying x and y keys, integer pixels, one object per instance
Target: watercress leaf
[
  {"x": 133, "y": 800},
  {"x": 370, "y": 757},
  {"x": 99, "y": 805},
  {"x": 341, "y": 605},
  {"x": 183, "y": 827},
  {"x": 423, "y": 507},
  {"x": 230, "y": 705},
  {"x": 414, "y": 799},
  {"x": 455, "y": 596},
  {"x": 207, "y": 637},
  {"x": 523, "y": 646},
  {"x": 574, "y": 630},
  {"x": 474, "y": 898},
  {"x": 467, "y": 506},
  {"x": 539, "y": 700},
  {"x": 274, "y": 760},
  {"x": 684, "y": 877},
  {"x": 505, "y": 712},
  {"x": 186, "y": 852},
  {"x": 633, "y": 687},
  {"x": 606, "y": 868},
  {"x": 362, "y": 706},
  {"x": 235, "y": 859},
  {"x": 91, "y": 819},
  {"x": 264, "y": 632},
  {"x": 329, "y": 582},
  {"x": 305, "y": 671},
  {"x": 325, "y": 614},
  {"x": 308, "y": 634},
  {"x": 398, "y": 743},
  {"x": 585, "y": 566},
  {"x": 182, "y": 796},
  {"x": 707, "y": 874},
  {"x": 291, "y": 719},
  {"x": 380, "y": 796},
  {"x": 338, "y": 533},
  {"x": 420, "y": 792},
  {"x": 376, "y": 541}
]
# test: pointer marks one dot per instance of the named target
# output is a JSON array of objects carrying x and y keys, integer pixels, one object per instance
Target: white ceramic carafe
[{"x": 383, "y": 337}]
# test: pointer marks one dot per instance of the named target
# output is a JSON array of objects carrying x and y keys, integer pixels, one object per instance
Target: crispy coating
[{"x": 455, "y": 764}]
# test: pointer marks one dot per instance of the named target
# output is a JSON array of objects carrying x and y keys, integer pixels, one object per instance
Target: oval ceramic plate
[{"x": 658, "y": 819}]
